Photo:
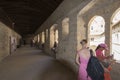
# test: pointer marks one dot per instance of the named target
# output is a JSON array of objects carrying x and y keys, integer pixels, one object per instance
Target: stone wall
[
  {"x": 105, "y": 9},
  {"x": 79, "y": 12},
  {"x": 67, "y": 43},
  {"x": 6, "y": 46}
]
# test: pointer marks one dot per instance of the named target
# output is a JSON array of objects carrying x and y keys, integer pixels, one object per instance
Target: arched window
[
  {"x": 115, "y": 20},
  {"x": 53, "y": 35},
  {"x": 97, "y": 29},
  {"x": 97, "y": 26},
  {"x": 116, "y": 17}
]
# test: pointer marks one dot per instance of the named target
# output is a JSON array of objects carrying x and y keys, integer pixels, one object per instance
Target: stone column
[
  {"x": 72, "y": 43},
  {"x": 47, "y": 48},
  {"x": 68, "y": 42},
  {"x": 108, "y": 34},
  {"x": 60, "y": 44},
  {"x": 81, "y": 30}
]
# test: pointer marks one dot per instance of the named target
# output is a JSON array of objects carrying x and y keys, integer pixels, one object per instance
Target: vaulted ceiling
[{"x": 26, "y": 16}]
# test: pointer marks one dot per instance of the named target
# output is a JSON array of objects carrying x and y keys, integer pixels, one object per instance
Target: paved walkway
[
  {"x": 31, "y": 64},
  {"x": 115, "y": 72}
]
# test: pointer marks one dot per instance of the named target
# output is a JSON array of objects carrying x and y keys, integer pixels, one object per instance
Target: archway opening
[
  {"x": 43, "y": 37},
  {"x": 53, "y": 35},
  {"x": 56, "y": 36},
  {"x": 96, "y": 31},
  {"x": 115, "y": 22}
]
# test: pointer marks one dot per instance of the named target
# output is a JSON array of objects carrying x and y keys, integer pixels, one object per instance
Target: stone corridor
[
  {"x": 55, "y": 26},
  {"x": 32, "y": 64}
]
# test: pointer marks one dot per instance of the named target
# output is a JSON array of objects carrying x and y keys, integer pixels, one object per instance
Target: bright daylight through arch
[
  {"x": 97, "y": 28},
  {"x": 116, "y": 35}
]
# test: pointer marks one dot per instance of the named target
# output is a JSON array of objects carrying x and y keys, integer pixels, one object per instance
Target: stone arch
[
  {"x": 53, "y": 35},
  {"x": 96, "y": 31},
  {"x": 115, "y": 25},
  {"x": 115, "y": 17}
]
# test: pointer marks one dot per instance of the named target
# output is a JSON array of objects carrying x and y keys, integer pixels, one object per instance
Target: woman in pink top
[
  {"x": 99, "y": 51},
  {"x": 99, "y": 54},
  {"x": 82, "y": 59}
]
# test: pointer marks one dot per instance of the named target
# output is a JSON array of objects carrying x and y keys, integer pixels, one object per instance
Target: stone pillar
[
  {"x": 68, "y": 42},
  {"x": 63, "y": 39},
  {"x": 73, "y": 41},
  {"x": 43, "y": 37},
  {"x": 40, "y": 36},
  {"x": 81, "y": 30},
  {"x": 60, "y": 45},
  {"x": 43, "y": 40},
  {"x": 47, "y": 48},
  {"x": 108, "y": 34}
]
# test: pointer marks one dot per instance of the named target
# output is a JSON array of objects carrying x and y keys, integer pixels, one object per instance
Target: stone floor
[
  {"x": 32, "y": 64},
  {"x": 115, "y": 72}
]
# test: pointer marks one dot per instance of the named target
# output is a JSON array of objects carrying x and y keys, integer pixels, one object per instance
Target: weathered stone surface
[
  {"x": 79, "y": 13},
  {"x": 5, "y": 44}
]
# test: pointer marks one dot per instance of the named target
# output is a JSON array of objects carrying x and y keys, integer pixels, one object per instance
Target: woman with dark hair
[
  {"x": 82, "y": 59},
  {"x": 104, "y": 60}
]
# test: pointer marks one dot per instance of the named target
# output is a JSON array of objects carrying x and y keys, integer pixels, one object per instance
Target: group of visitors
[{"x": 83, "y": 56}]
